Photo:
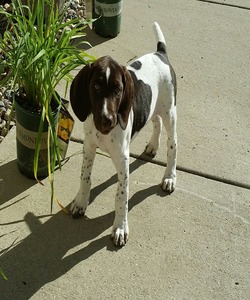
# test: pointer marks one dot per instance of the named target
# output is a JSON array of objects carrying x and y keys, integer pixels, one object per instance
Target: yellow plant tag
[{"x": 65, "y": 127}]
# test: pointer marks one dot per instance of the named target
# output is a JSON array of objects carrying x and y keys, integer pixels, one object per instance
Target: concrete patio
[{"x": 193, "y": 244}]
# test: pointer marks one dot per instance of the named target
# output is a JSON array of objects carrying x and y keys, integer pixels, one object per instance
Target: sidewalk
[{"x": 193, "y": 244}]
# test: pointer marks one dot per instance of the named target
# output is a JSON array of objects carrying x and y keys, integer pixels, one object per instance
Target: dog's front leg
[
  {"x": 120, "y": 228},
  {"x": 81, "y": 201}
]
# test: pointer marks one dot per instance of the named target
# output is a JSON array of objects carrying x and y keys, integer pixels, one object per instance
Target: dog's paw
[
  {"x": 77, "y": 208},
  {"x": 168, "y": 184},
  {"x": 119, "y": 236},
  {"x": 150, "y": 150}
]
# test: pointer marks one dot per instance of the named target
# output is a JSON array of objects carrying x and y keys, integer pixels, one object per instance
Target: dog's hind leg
[
  {"x": 169, "y": 178},
  {"x": 154, "y": 142}
]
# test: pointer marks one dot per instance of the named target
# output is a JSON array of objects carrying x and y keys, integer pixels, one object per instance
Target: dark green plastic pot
[
  {"x": 109, "y": 13},
  {"x": 27, "y": 125}
]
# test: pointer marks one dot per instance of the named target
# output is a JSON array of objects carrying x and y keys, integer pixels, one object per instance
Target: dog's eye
[
  {"x": 97, "y": 86},
  {"x": 117, "y": 91}
]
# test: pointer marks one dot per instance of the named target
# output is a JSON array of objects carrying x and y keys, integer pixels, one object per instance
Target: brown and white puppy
[{"x": 115, "y": 102}]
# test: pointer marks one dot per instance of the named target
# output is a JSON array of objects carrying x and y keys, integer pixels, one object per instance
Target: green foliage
[
  {"x": 39, "y": 51},
  {"x": 36, "y": 58},
  {"x": 3, "y": 275}
]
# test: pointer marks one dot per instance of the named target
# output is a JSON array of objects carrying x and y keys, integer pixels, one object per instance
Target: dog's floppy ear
[
  {"x": 127, "y": 99},
  {"x": 79, "y": 94}
]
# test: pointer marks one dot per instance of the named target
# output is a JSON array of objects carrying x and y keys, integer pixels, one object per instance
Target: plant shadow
[
  {"x": 42, "y": 256},
  {"x": 93, "y": 38},
  {"x": 12, "y": 182}
]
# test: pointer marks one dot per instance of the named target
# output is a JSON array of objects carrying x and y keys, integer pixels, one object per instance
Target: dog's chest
[{"x": 103, "y": 142}]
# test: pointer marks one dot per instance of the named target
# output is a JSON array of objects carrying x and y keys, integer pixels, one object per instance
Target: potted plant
[{"x": 38, "y": 53}]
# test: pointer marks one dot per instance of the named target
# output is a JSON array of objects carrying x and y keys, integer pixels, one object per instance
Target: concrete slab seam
[
  {"x": 197, "y": 173},
  {"x": 180, "y": 168},
  {"x": 224, "y": 4}
]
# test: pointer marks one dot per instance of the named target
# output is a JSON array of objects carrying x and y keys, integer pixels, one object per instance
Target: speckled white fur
[{"x": 157, "y": 75}]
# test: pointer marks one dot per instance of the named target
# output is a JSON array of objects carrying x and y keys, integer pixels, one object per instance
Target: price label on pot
[
  {"x": 108, "y": 10},
  {"x": 29, "y": 138}
]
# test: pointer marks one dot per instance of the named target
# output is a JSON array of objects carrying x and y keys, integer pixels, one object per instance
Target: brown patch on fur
[{"x": 90, "y": 91}]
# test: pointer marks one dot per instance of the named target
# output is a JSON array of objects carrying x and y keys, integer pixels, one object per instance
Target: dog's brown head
[{"x": 105, "y": 89}]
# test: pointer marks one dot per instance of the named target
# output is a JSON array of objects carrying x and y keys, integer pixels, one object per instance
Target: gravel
[
  {"x": 76, "y": 8},
  {"x": 7, "y": 118}
]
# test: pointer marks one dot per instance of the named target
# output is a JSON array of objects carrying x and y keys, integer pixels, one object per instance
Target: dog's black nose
[{"x": 107, "y": 121}]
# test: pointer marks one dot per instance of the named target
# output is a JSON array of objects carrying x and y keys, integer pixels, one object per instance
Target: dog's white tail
[
  {"x": 158, "y": 33},
  {"x": 161, "y": 46}
]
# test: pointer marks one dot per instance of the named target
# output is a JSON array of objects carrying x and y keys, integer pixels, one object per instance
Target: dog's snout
[
  {"x": 105, "y": 123},
  {"x": 107, "y": 120}
]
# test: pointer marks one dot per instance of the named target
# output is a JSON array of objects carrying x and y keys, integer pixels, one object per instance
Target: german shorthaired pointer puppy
[{"x": 116, "y": 102}]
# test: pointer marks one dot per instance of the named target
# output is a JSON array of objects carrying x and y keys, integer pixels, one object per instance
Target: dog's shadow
[{"x": 42, "y": 256}]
